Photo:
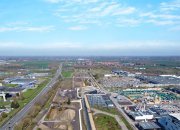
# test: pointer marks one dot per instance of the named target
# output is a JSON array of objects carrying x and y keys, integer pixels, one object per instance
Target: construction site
[{"x": 65, "y": 110}]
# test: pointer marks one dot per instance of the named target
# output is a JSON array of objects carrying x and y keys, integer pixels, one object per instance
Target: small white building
[
  {"x": 170, "y": 122},
  {"x": 37, "y": 75},
  {"x": 108, "y": 75},
  {"x": 142, "y": 115}
]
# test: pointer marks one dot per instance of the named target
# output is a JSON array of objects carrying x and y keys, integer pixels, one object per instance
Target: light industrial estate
[{"x": 83, "y": 94}]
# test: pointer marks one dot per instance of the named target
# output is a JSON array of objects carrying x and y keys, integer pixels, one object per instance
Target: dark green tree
[
  {"x": 4, "y": 115},
  {"x": 14, "y": 104},
  {"x": 69, "y": 101}
]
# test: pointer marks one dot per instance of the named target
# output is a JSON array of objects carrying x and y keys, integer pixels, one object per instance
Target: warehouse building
[
  {"x": 141, "y": 115},
  {"x": 148, "y": 126},
  {"x": 170, "y": 122},
  {"x": 101, "y": 100}
]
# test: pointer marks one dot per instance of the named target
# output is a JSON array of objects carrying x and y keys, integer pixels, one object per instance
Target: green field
[
  {"x": 115, "y": 112},
  {"x": 104, "y": 122},
  {"x": 10, "y": 85},
  {"x": 31, "y": 93},
  {"x": 67, "y": 74},
  {"x": 36, "y": 64}
]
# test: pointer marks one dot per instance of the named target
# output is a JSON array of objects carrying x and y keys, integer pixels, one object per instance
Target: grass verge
[
  {"x": 104, "y": 122},
  {"x": 116, "y": 112},
  {"x": 67, "y": 74}
]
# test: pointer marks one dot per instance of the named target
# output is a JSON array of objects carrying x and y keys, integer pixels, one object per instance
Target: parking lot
[{"x": 116, "y": 82}]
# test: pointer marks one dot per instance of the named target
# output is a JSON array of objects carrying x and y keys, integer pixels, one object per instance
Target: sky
[{"x": 90, "y": 28}]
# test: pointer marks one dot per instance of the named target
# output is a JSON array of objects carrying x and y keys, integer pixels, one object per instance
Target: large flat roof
[
  {"x": 9, "y": 89},
  {"x": 149, "y": 125},
  {"x": 176, "y": 115}
]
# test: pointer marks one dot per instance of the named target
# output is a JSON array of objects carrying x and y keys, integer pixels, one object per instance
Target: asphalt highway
[{"x": 11, "y": 123}]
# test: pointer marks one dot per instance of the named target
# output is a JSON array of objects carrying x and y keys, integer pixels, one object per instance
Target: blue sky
[{"x": 90, "y": 27}]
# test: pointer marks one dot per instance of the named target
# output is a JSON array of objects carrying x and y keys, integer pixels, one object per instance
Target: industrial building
[
  {"x": 148, "y": 126},
  {"x": 175, "y": 89},
  {"x": 4, "y": 91},
  {"x": 89, "y": 90},
  {"x": 158, "y": 111},
  {"x": 141, "y": 115},
  {"x": 101, "y": 100},
  {"x": 37, "y": 75},
  {"x": 22, "y": 82},
  {"x": 170, "y": 122}
]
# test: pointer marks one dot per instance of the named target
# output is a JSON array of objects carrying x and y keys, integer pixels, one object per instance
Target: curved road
[{"x": 11, "y": 123}]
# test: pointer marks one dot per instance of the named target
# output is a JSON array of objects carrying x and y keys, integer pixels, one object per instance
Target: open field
[
  {"x": 10, "y": 85},
  {"x": 31, "y": 93},
  {"x": 100, "y": 71},
  {"x": 66, "y": 84},
  {"x": 114, "y": 111},
  {"x": 67, "y": 74},
  {"x": 35, "y": 64},
  {"x": 104, "y": 122}
]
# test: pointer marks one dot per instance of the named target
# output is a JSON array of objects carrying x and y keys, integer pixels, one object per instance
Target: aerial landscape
[{"x": 89, "y": 65}]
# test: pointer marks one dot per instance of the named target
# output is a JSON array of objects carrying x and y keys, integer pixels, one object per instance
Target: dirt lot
[
  {"x": 61, "y": 114},
  {"x": 62, "y": 118},
  {"x": 66, "y": 83}
]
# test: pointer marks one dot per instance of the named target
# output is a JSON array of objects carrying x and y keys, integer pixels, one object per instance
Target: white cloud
[
  {"x": 109, "y": 9},
  {"x": 128, "y": 22},
  {"x": 162, "y": 16},
  {"x": 95, "y": 13},
  {"x": 161, "y": 22},
  {"x": 78, "y": 28},
  {"x": 30, "y": 29},
  {"x": 170, "y": 6},
  {"x": 72, "y": 1},
  {"x": 123, "y": 11},
  {"x": 6, "y": 29},
  {"x": 53, "y": 1},
  {"x": 39, "y": 29},
  {"x": 116, "y": 13}
]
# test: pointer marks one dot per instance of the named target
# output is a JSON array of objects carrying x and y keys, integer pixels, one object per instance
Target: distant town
[{"x": 90, "y": 93}]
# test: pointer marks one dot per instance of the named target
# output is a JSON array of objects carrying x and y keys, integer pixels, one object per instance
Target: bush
[
  {"x": 14, "y": 104},
  {"x": 26, "y": 122},
  {"x": 2, "y": 107},
  {"x": 69, "y": 101},
  {"x": 4, "y": 115}
]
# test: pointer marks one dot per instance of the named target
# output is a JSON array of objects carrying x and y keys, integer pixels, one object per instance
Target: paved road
[
  {"x": 11, "y": 123},
  {"x": 123, "y": 113},
  {"x": 86, "y": 117}
]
